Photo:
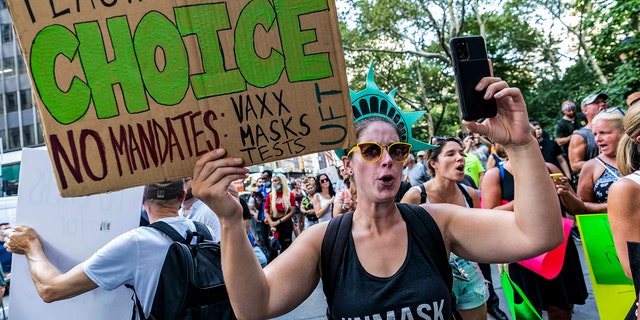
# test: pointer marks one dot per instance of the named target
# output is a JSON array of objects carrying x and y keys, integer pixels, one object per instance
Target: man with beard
[{"x": 571, "y": 121}]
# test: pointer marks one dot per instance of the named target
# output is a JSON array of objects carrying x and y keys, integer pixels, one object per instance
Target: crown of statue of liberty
[{"x": 373, "y": 102}]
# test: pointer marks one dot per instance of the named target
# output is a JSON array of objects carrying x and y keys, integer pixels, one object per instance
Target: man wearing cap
[
  {"x": 135, "y": 257},
  {"x": 582, "y": 145},
  {"x": 571, "y": 121}
]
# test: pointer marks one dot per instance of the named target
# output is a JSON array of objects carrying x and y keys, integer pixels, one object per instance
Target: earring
[{"x": 350, "y": 172}]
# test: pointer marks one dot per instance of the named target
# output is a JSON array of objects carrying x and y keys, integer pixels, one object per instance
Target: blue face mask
[
  {"x": 278, "y": 187},
  {"x": 267, "y": 184}
]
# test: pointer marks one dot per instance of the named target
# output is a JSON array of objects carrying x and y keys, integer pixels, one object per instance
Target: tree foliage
[{"x": 408, "y": 40}]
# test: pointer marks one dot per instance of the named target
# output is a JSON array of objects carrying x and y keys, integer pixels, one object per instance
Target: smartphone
[
  {"x": 556, "y": 176},
  {"x": 470, "y": 64}
]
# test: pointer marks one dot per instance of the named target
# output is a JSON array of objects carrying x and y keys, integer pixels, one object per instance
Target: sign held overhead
[{"x": 132, "y": 92}]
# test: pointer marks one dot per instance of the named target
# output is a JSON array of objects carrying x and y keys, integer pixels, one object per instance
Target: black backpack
[
  {"x": 191, "y": 285},
  {"x": 428, "y": 237}
]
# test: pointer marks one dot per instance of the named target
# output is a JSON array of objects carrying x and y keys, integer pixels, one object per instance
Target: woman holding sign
[{"x": 384, "y": 268}]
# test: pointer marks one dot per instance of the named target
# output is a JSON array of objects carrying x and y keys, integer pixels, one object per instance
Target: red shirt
[{"x": 280, "y": 202}]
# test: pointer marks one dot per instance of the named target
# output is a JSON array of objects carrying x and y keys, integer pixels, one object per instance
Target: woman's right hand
[
  {"x": 213, "y": 175},
  {"x": 510, "y": 127}
]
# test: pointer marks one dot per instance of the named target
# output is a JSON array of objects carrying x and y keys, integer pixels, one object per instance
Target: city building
[{"x": 19, "y": 123}]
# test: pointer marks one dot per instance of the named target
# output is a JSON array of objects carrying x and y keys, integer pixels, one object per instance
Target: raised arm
[
  {"x": 255, "y": 293},
  {"x": 49, "y": 282},
  {"x": 499, "y": 236}
]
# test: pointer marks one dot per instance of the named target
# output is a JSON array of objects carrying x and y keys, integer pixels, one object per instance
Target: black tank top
[{"x": 416, "y": 289}]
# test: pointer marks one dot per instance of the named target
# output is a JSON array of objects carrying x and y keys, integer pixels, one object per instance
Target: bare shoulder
[
  {"x": 624, "y": 186},
  {"x": 576, "y": 138},
  {"x": 591, "y": 166},
  {"x": 411, "y": 196}
]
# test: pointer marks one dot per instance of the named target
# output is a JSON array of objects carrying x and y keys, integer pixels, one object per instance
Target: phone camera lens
[{"x": 461, "y": 50}]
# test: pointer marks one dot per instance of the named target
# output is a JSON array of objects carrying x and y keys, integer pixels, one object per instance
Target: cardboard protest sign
[
  {"x": 133, "y": 92},
  {"x": 71, "y": 230},
  {"x": 613, "y": 291}
]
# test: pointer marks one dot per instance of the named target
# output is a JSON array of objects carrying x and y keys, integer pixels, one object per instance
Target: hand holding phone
[
  {"x": 470, "y": 65},
  {"x": 556, "y": 176}
]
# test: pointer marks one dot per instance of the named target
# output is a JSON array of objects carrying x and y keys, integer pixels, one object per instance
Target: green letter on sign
[
  {"x": 65, "y": 106},
  {"x": 257, "y": 71},
  {"x": 102, "y": 75},
  {"x": 166, "y": 84},
  {"x": 205, "y": 21},
  {"x": 300, "y": 66}
]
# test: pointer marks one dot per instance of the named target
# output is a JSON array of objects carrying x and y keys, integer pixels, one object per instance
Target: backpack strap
[
  {"x": 202, "y": 232},
  {"x": 333, "y": 245},
  {"x": 171, "y": 232},
  {"x": 466, "y": 194},
  {"x": 423, "y": 193},
  {"x": 136, "y": 306},
  {"x": 430, "y": 239}
]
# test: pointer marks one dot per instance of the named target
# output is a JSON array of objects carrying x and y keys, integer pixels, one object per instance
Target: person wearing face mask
[{"x": 280, "y": 205}]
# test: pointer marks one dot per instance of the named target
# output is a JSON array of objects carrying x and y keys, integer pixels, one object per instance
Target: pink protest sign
[{"x": 549, "y": 263}]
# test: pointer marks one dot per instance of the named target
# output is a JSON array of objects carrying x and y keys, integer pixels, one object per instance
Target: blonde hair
[
  {"x": 286, "y": 191},
  {"x": 628, "y": 154},
  {"x": 614, "y": 117}
]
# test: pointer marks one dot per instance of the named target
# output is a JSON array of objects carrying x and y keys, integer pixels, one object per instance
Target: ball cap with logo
[
  {"x": 166, "y": 190},
  {"x": 592, "y": 98}
]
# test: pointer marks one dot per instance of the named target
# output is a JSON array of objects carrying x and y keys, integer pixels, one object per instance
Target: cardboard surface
[
  {"x": 133, "y": 92},
  {"x": 71, "y": 230},
  {"x": 613, "y": 291}
]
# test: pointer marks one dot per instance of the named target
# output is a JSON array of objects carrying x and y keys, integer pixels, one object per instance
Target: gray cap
[
  {"x": 166, "y": 190},
  {"x": 592, "y": 98}
]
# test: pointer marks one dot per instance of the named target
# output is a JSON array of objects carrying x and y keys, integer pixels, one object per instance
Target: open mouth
[{"x": 460, "y": 168}]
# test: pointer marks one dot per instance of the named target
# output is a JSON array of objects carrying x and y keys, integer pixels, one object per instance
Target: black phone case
[{"x": 468, "y": 71}]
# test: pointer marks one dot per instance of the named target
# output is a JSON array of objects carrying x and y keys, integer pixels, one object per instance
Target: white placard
[{"x": 71, "y": 229}]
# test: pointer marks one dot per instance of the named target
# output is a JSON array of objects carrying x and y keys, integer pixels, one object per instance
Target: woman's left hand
[{"x": 510, "y": 127}]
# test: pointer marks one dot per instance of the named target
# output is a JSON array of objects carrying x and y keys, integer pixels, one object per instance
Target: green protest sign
[
  {"x": 132, "y": 92},
  {"x": 598, "y": 242}
]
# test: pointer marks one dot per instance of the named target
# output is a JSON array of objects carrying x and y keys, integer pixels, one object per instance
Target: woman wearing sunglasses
[
  {"x": 445, "y": 164},
  {"x": 384, "y": 273},
  {"x": 323, "y": 199}
]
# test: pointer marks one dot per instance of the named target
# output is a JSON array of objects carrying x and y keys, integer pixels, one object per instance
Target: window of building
[
  {"x": 7, "y": 32},
  {"x": 26, "y": 99},
  {"x": 8, "y": 67},
  {"x": 22, "y": 67},
  {"x": 29, "y": 136},
  {"x": 11, "y": 102},
  {"x": 5, "y": 142},
  {"x": 14, "y": 138},
  {"x": 40, "y": 138}
]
